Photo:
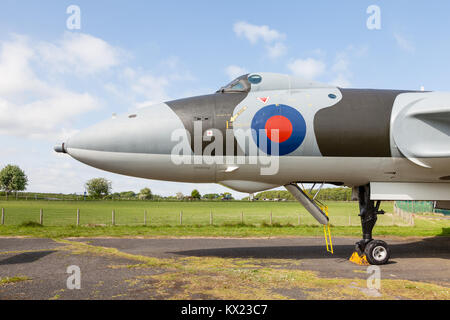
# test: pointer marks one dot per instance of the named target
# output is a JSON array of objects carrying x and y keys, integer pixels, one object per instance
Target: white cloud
[
  {"x": 34, "y": 101},
  {"x": 150, "y": 87},
  {"x": 235, "y": 71},
  {"x": 338, "y": 72},
  {"x": 38, "y": 104},
  {"x": 254, "y": 33},
  {"x": 29, "y": 105},
  {"x": 341, "y": 81},
  {"x": 404, "y": 43},
  {"x": 272, "y": 38},
  {"x": 276, "y": 50},
  {"x": 319, "y": 53},
  {"x": 15, "y": 57},
  {"x": 171, "y": 62},
  {"x": 141, "y": 88},
  {"x": 44, "y": 117},
  {"x": 309, "y": 68},
  {"x": 341, "y": 63},
  {"x": 341, "y": 69},
  {"x": 79, "y": 53}
]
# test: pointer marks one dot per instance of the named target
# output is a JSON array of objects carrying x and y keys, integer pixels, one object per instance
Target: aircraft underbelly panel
[{"x": 409, "y": 191}]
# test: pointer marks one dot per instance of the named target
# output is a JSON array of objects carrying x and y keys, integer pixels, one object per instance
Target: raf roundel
[{"x": 278, "y": 127}]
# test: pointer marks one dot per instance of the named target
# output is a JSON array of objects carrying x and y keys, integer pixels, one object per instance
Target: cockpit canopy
[
  {"x": 268, "y": 81},
  {"x": 240, "y": 84}
]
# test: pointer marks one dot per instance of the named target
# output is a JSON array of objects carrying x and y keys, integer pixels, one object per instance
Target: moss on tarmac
[{"x": 236, "y": 278}]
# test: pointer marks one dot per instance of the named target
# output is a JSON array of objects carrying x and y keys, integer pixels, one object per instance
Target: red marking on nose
[{"x": 280, "y": 123}]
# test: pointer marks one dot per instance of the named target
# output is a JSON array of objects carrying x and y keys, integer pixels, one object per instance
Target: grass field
[
  {"x": 61, "y": 213},
  {"x": 163, "y": 219}
]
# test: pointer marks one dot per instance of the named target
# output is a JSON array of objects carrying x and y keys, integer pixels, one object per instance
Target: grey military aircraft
[{"x": 266, "y": 130}]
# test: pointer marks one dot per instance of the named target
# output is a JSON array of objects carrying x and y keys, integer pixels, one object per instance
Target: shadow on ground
[
  {"x": 436, "y": 247},
  {"x": 26, "y": 257}
]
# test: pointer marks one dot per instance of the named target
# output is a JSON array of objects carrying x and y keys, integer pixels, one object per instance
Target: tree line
[
  {"x": 100, "y": 188},
  {"x": 14, "y": 179},
  {"x": 330, "y": 194}
]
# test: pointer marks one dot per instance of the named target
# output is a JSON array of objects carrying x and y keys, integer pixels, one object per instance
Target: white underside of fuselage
[{"x": 261, "y": 174}]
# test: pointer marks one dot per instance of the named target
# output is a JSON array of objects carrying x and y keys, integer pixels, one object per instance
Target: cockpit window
[{"x": 240, "y": 84}]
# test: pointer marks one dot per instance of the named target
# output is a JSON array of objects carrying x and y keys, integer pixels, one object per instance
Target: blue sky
[{"x": 129, "y": 54}]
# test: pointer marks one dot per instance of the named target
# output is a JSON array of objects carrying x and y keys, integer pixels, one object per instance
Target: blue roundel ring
[{"x": 259, "y": 129}]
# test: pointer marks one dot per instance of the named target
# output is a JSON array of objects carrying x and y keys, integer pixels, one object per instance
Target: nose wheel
[{"x": 369, "y": 251}]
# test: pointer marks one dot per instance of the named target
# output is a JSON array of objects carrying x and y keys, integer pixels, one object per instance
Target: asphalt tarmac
[{"x": 41, "y": 264}]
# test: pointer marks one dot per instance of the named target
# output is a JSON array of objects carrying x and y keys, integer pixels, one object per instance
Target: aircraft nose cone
[
  {"x": 147, "y": 131},
  {"x": 60, "y": 148}
]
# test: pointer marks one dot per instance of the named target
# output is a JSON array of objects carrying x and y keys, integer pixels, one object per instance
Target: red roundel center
[{"x": 280, "y": 123}]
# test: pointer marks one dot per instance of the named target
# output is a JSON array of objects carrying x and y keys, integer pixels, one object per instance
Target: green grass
[
  {"x": 215, "y": 231},
  {"x": 163, "y": 219},
  {"x": 62, "y": 213}
]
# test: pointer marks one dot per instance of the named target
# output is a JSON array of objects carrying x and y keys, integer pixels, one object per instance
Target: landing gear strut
[{"x": 369, "y": 250}]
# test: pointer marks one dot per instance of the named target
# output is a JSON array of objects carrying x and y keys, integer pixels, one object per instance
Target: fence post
[
  {"x": 3, "y": 216},
  {"x": 113, "y": 218},
  {"x": 210, "y": 218},
  {"x": 41, "y": 216},
  {"x": 270, "y": 217},
  {"x": 242, "y": 217},
  {"x": 78, "y": 217},
  {"x": 181, "y": 218},
  {"x": 145, "y": 217}
]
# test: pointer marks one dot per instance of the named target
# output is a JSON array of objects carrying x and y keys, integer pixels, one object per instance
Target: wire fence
[
  {"x": 420, "y": 207},
  {"x": 67, "y": 197},
  {"x": 123, "y": 217},
  {"x": 406, "y": 216},
  {"x": 416, "y": 206}
]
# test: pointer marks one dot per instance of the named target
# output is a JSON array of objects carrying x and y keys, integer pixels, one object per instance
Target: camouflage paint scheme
[{"x": 351, "y": 137}]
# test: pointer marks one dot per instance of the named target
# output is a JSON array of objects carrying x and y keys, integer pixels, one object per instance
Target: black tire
[{"x": 377, "y": 252}]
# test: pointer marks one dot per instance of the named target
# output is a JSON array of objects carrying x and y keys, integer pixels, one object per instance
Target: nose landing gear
[{"x": 368, "y": 250}]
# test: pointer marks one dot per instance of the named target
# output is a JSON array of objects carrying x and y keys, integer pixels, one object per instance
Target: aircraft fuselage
[{"x": 268, "y": 130}]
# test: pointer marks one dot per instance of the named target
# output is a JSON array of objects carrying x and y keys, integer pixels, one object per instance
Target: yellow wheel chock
[{"x": 356, "y": 258}]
